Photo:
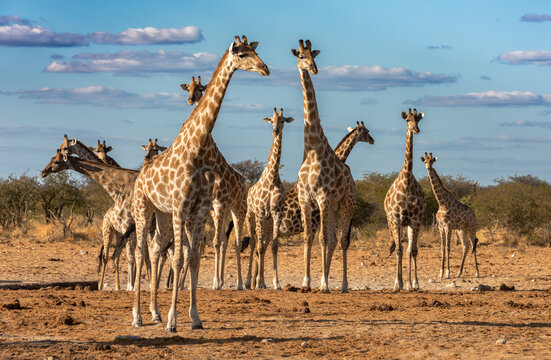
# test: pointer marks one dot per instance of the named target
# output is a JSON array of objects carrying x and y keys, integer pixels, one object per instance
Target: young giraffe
[
  {"x": 119, "y": 184},
  {"x": 451, "y": 215},
  {"x": 179, "y": 182},
  {"x": 405, "y": 205},
  {"x": 323, "y": 179},
  {"x": 101, "y": 150},
  {"x": 291, "y": 222},
  {"x": 110, "y": 227},
  {"x": 265, "y": 201},
  {"x": 229, "y": 194}
]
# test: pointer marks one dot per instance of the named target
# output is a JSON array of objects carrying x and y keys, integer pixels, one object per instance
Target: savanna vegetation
[{"x": 512, "y": 211}]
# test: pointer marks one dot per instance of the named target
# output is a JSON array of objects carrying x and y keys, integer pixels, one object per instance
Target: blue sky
[{"x": 111, "y": 70}]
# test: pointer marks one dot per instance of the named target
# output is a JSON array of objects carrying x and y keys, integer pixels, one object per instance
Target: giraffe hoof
[
  {"x": 137, "y": 323},
  {"x": 171, "y": 329},
  {"x": 197, "y": 327},
  {"x": 157, "y": 319},
  {"x": 344, "y": 291}
]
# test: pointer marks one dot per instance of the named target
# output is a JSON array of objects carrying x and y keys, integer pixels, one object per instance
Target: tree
[{"x": 250, "y": 169}]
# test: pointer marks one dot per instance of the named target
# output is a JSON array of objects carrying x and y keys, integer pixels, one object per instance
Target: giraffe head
[
  {"x": 362, "y": 133},
  {"x": 195, "y": 90},
  {"x": 245, "y": 58},
  {"x": 67, "y": 145},
  {"x": 305, "y": 56},
  {"x": 152, "y": 149},
  {"x": 413, "y": 119},
  {"x": 101, "y": 150},
  {"x": 428, "y": 160},
  {"x": 278, "y": 121},
  {"x": 57, "y": 163}
]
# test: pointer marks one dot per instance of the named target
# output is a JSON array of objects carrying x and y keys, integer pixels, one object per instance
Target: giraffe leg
[
  {"x": 107, "y": 234},
  {"x": 443, "y": 250},
  {"x": 449, "y": 233},
  {"x": 154, "y": 283},
  {"x": 346, "y": 228},
  {"x": 131, "y": 258},
  {"x": 238, "y": 223},
  {"x": 414, "y": 234},
  {"x": 324, "y": 242},
  {"x": 217, "y": 244},
  {"x": 275, "y": 241},
  {"x": 249, "y": 220},
  {"x": 260, "y": 251},
  {"x": 474, "y": 241},
  {"x": 331, "y": 245},
  {"x": 465, "y": 245},
  {"x": 395, "y": 233},
  {"x": 306, "y": 212},
  {"x": 223, "y": 249}
]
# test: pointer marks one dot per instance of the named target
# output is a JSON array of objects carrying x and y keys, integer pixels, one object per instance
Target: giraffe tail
[
  {"x": 230, "y": 227},
  {"x": 474, "y": 244},
  {"x": 100, "y": 259},
  {"x": 392, "y": 248},
  {"x": 345, "y": 248},
  {"x": 245, "y": 243},
  {"x": 123, "y": 240}
]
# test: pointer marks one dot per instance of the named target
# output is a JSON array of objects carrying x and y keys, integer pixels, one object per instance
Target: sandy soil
[{"x": 446, "y": 319}]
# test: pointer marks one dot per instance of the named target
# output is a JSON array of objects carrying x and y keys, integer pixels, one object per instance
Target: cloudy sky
[{"x": 111, "y": 70}]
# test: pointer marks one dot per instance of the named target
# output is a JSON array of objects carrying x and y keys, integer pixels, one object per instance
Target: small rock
[
  {"x": 306, "y": 310},
  {"x": 533, "y": 280},
  {"x": 512, "y": 256},
  {"x": 482, "y": 287},
  {"x": 15, "y": 305},
  {"x": 362, "y": 264},
  {"x": 65, "y": 320},
  {"x": 305, "y": 303},
  {"x": 304, "y": 344},
  {"x": 367, "y": 288},
  {"x": 501, "y": 341},
  {"x": 432, "y": 281},
  {"x": 492, "y": 276},
  {"x": 265, "y": 341},
  {"x": 125, "y": 338},
  {"x": 504, "y": 287},
  {"x": 451, "y": 285},
  {"x": 83, "y": 252}
]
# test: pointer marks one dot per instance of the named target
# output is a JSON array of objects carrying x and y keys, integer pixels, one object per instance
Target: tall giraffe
[
  {"x": 405, "y": 205},
  {"x": 119, "y": 184},
  {"x": 229, "y": 194},
  {"x": 291, "y": 222},
  {"x": 101, "y": 151},
  {"x": 323, "y": 179},
  {"x": 265, "y": 201},
  {"x": 110, "y": 224},
  {"x": 152, "y": 149},
  {"x": 452, "y": 215},
  {"x": 179, "y": 182}
]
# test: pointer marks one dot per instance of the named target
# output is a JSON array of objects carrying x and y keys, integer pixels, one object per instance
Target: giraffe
[
  {"x": 265, "y": 202},
  {"x": 101, "y": 150},
  {"x": 195, "y": 90},
  {"x": 323, "y": 179},
  {"x": 291, "y": 223},
  {"x": 179, "y": 181},
  {"x": 405, "y": 205},
  {"x": 451, "y": 215},
  {"x": 152, "y": 149},
  {"x": 229, "y": 194},
  {"x": 119, "y": 184},
  {"x": 109, "y": 227}
]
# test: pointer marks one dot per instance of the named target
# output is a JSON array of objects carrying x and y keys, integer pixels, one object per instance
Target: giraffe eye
[
  {"x": 301, "y": 57},
  {"x": 241, "y": 55}
]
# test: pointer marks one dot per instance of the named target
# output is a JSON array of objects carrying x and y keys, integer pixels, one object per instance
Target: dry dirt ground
[{"x": 446, "y": 319}]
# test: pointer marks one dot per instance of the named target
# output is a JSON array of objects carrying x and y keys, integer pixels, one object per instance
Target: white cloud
[
  {"x": 135, "y": 62},
  {"x": 149, "y": 35},
  {"x": 13, "y": 19},
  {"x": 33, "y": 36},
  {"x": 526, "y": 123},
  {"x": 487, "y": 98},
  {"x": 535, "y": 57},
  {"x": 107, "y": 97},
  {"x": 536, "y": 17}
]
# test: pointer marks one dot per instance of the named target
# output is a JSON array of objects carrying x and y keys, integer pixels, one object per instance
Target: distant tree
[
  {"x": 250, "y": 169},
  {"x": 17, "y": 200}
]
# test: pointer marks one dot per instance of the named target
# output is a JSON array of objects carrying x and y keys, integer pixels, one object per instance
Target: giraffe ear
[
  {"x": 315, "y": 53},
  {"x": 289, "y": 119},
  {"x": 294, "y": 52},
  {"x": 185, "y": 87},
  {"x": 92, "y": 148},
  {"x": 404, "y": 115},
  {"x": 204, "y": 87},
  {"x": 350, "y": 129},
  {"x": 254, "y": 44},
  {"x": 232, "y": 48},
  {"x": 162, "y": 148},
  {"x": 435, "y": 158},
  {"x": 73, "y": 142},
  {"x": 422, "y": 158},
  {"x": 268, "y": 120},
  {"x": 109, "y": 148},
  {"x": 144, "y": 147}
]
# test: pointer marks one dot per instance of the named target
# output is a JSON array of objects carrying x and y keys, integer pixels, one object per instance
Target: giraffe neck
[
  {"x": 203, "y": 117},
  {"x": 85, "y": 153},
  {"x": 346, "y": 145},
  {"x": 314, "y": 138},
  {"x": 115, "y": 181},
  {"x": 443, "y": 196},
  {"x": 272, "y": 167},
  {"x": 407, "y": 170}
]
